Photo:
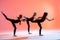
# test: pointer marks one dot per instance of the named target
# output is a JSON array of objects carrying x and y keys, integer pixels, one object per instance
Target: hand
[
  {"x": 51, "y": 19},
  {"x": 19, "y": 23},
  {"x": 23, "y": 19}
]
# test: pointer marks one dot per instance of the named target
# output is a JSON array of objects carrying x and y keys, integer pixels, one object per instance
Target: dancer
[
  {"x": 13, "y": 21},
  {"x": 29, "y": 19},
  {"x": 39, "y": 20}
]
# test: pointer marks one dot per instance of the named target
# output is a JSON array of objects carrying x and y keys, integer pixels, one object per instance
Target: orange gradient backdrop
[{"x": 12, "y": 8}]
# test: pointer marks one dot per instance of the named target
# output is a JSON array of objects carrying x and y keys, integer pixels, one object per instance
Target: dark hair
[
  {"x": 35, "y": 13},
  {"x": 45, "y": 13},
  {"x": 20, "y": 16}
]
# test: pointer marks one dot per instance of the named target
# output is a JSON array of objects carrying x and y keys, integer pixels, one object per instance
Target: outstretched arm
[
  {"x": 25, "y": 17},
  {"x": 39, "y": 17},
  {"x": 50, "y": 19}
]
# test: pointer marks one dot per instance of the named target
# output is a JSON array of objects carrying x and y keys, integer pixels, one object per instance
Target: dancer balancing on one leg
[
  {"x": 29, "y": 19},
  {"x": 39, "y": 20},
  {"x": 13, "y": 21}
]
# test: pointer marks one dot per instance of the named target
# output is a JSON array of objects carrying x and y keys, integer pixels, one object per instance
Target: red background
[{"x": 12, "y": 8}]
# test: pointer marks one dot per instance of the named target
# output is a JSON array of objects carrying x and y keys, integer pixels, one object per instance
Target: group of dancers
[{"x": 32, "y": 19}]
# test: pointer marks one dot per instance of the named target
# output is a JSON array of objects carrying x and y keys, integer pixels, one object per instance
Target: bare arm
[
  {"x": 39, "y": 17},
  {"x": 25, "y": 17},
  {"x": 50, "y": 19}
]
